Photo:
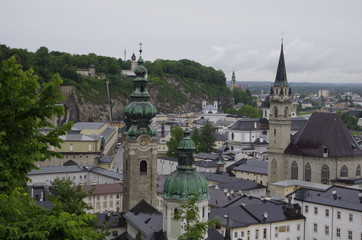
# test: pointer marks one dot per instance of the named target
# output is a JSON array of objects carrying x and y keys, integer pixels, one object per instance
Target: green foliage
[
  {"x": 67, "y": 198},
  {"x": 25, "y": 107},
  {"x": 207, "y": 142},
  {"x": 249, "y": 111},
  {"x": 245, "y": 97},
  {"x": 350, "y": 121},
  {"x": 196, "y": 138},
  {"x": 176, "y": 136},
  {"x": 188, "y": 214}
]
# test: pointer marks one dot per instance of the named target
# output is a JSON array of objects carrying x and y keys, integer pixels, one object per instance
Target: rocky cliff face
[{"x": 79, "y": 109}]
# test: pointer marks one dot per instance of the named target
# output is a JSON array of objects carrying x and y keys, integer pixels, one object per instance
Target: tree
[
  {"x": 249, "y": 111},
  {"x": 68, "y": 198},
  {"x": 207, "y": 138},
  {"x": 25, "y": 106},
  {"x": 176, "y": 136},
  {"x": 196, "y": 138},
  {"x": 188, "y": 214}
]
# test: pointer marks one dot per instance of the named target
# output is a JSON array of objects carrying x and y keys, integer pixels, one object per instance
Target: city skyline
[{"x": 321, "y": 39}]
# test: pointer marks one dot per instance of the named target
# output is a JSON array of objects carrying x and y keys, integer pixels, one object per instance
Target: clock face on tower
[{"x": 143, "y": 141}]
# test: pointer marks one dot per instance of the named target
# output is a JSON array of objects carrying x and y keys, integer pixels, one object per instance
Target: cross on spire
[
  {"x": 140, "y": 48},
  {"x": 282, "y": 37}
]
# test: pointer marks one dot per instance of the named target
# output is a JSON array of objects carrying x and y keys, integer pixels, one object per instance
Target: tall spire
[
  {"x": 281, "y": 77},
  {"x": 140, "y": 111},
  {"x": 233, "y": 77}
]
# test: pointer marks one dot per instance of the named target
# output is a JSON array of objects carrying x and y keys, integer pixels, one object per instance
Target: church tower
[
  {"x": 279, "y": 123},
  {"x": 140, "y": 141},
  {"x": 233, "y": 81},
  {"x": 182, "y": 184}
]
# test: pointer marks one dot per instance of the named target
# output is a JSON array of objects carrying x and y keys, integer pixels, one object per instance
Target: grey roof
[
  {"x": 221, "y": 136},
  {"x": 252, "y": 213},
  {"x": 145, "y": 218},
  {"x": 78, "y": 137},
  {"x": 105, "y": 159},
  {"x": 206, "y": 164},
  {"x": 106, "y": 172},
  {"x": 248, "y": 124},
  {"x": 220, "y": 199},
  {"x": 344, "y": 198},
  {"x": 209, "y": 156},
  {"x": 88, "y": 125},
  {"x": 294, "y": 182},
  {"x": 250, "y": 165},
  {"x": 210, "y": 107},
  {"x": 111, "y": 220},
  {"x": 108, "y": 132},
  {"x": 324, "y": 129},
  {"x": 56, "y": 169}
]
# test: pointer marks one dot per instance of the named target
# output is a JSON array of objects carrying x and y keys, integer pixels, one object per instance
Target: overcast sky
[{"x": 322, "y": 38}]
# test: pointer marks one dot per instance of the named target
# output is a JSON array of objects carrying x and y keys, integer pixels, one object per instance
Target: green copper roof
[
  {"x": 140, "y": 111},
  {"x": 281, "y": 77},
  {"x": 186, "y": 181}
]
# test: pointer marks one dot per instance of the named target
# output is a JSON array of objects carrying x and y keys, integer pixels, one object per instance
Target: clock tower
[{"x": 140, "y": 143}]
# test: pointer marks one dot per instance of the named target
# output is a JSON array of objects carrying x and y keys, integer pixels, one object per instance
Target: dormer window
[{"x": 325, "y": 151}]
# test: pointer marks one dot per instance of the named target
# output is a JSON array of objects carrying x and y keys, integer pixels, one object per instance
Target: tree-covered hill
[{"x": 175, "y": 86}]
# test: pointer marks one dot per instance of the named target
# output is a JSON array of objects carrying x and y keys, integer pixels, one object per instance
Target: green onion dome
[{"x": 186, "y": 182}]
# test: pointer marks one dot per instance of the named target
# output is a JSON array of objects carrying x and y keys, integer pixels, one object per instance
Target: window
[
  {"x": 306, "y": 208},
  {"x": 264, "y": 233},
  {"x": 315, "y": 227},
  {"x": 89, "y": 147},
  {"x": 71, "y": 147},
  {"x": 143, "y": 166},
  {"x": 325, "y": 175},
  {"x": 338, "y": 215},
  {"x": 286, "y": 112},
  {"x": 274, "y": 167},
  {"x": 288, "y": 228},
  {"x": 350, "y": 235},
  {"x": 256, "y": 234},
  {"x": 111, "y": 204},
  {"x": 358, "y": 170},
  {"x": 315, "y": 210},
  {"x": 350, "y": 217},
  {"x": 203, "y": 212},
  {"x": 235, "y": 234},
  {"x": 105, "y": 197},
  {"x": 276, "y": 232},
  {"x": 275, "y": 112},
  {"x": 338, "y": 232},
  {"x": 326, "y": 230},
  {"x": 114, "y": 233},
  {"x": 298, "y": 227},
  {"x": 232, "y": 136},
  {"x": 327, "y": 212},
  {"x": 294, "y": 170},
  {"x": 242, "y": 234},
  {"x": 307, "y": 173},
  {"x": 344, "y": 171},
  {"x": 104, "y": 204}
]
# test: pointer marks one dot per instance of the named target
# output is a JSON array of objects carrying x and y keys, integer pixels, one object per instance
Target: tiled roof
[
  {"x": 343, "y": 198},
  {"x": 145, "y": 218},
  {"x": 324, "y": 129},
  {"x": 250, "y": 165},
  {"x": 102, "y": 189},
  {"x": 56, "y": 169}
]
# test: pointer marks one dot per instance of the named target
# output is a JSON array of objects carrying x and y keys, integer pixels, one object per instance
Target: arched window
[
  {"x": 232, "y": 147},
  {"x": 275, "y": 112},
  {"x": 307, "y": 173},
  {"x": 294, "y": 172},
  {"x": 143, "y": 166},
  {"x": 325, "y": 174},
  {"x": 344, "y": 171},
  {"x": 265, "y": 113},
  {"x": 358, "y": 170},
  {"x": 286, "y": 112},
  {"x": 232, "y": 136}
]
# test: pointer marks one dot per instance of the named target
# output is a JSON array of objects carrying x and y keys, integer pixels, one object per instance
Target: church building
[{"x": 323, "y": 151}]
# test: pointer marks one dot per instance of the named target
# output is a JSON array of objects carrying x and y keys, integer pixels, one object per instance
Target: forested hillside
[{"x": 175, "y": 86}]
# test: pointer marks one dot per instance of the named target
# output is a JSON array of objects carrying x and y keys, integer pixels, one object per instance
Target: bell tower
[
  {"x": 279, "y": 122},
  {"x": 140, "y": 141}
]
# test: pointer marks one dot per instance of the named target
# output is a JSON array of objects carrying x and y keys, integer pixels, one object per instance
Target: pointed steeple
[
  {"x": 140, "y": 111},
  {"x": 233, "y": 77},
  {"x": 281, "y": 77}
]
